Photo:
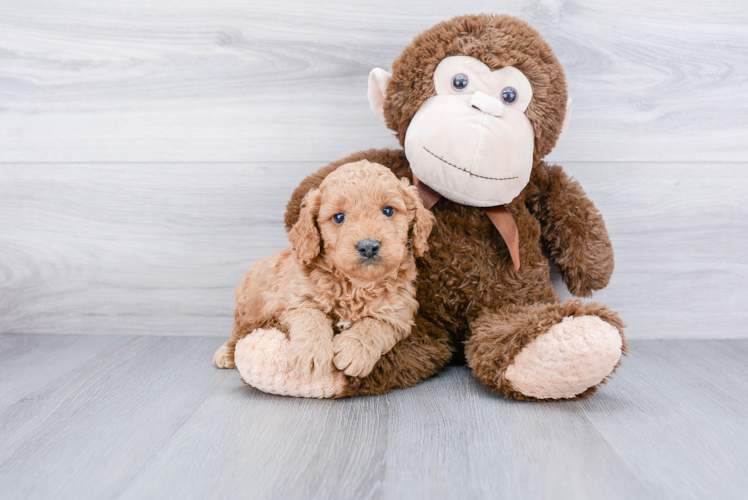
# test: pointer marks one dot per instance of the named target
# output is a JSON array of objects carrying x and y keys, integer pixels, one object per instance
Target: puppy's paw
[
  {"x": 221, "y": 358},
  {"x": 311, "y": 357},
  {"x": 353, "y": 355}
]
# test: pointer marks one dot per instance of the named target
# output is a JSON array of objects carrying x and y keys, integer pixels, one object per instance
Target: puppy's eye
[
  {"x": 338, "y": 218},
  {"x": 459, "y": 82},
  {"x": 388, "y": 211}
]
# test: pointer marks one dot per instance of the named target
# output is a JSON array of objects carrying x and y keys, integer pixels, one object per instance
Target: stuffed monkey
[{"x": 477, "y": 102}]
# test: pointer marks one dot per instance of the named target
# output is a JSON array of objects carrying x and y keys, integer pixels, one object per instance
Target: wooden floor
[{"x": 149, "y": 417}]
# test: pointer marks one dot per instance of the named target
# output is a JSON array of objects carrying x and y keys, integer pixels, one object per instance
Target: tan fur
[{"x": 322, "y": 281}]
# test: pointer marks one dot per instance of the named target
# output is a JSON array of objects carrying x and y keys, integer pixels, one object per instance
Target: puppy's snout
[{"x": 368, "y": 248}]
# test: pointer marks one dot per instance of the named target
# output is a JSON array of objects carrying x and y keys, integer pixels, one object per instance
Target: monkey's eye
[
  {"x": 509, "y": 95},
  {"x": 338, "y": 218},
  {"x": 459, "y": 82},
  {"x": 388, "y": 211}
]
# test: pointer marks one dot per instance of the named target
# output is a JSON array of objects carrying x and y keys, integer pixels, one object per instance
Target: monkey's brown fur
[{"x": 468, "y": 290}]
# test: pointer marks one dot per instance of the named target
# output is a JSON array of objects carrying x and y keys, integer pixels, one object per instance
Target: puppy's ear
[
  {"x": 423, "y": 220},
  {"x": 304, "y": 235}
]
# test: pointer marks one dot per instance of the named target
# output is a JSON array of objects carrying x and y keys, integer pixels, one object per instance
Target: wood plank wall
[{"x": 148, "y": 148}]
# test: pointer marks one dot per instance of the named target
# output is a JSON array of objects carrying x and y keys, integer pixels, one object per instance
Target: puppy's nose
[{"x": 368, "y": 248}]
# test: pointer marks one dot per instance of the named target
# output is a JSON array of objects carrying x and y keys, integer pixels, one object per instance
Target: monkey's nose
[
  {"x": 368, "y": 248},
  {"x": 487, "y": 104}
]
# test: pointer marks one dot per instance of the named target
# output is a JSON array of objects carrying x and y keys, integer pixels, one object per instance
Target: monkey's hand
[{"x": 573, "y": 230}]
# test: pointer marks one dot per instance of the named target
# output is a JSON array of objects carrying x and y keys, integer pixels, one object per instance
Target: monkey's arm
[
  {"x": 573, "y": 230},
  {"x": 390, "y": 158}
]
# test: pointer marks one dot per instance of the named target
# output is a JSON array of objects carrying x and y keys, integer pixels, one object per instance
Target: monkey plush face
[
  {"x": 475, "y": 102},
  {"x": 472, "y": 142}
]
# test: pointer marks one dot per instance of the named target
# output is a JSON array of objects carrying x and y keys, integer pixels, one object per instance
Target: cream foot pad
[
  {"x": 569, "y": 358},
  {"x": 260, "y": 358}
]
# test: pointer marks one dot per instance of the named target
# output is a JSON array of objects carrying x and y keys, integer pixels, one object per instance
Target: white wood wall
[{"x": 148, "y": 148}]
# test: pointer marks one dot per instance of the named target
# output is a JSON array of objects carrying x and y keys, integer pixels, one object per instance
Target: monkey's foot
[
  {"x": 260, "y": 358},
  {"x": 571, "y": 357}
]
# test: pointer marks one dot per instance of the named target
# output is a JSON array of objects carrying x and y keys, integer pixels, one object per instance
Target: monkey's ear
[
  {"x": 567, "y": 117},
  {"x": 378, "y": 80},
  {"x": 423, "y": 220},
  {"x": 304, "y": 236}
]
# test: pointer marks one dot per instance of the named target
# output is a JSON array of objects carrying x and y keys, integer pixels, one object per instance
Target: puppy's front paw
[
  {"x": 311, "y": 357},
  {"x": 353, "y": 355}
]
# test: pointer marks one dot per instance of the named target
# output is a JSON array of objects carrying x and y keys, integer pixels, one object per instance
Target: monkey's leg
[
  {"x": 546, "y": 351},
  {"x": 261, "y": 360}
]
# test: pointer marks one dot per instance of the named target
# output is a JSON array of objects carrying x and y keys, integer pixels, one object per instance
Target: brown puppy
[{"x": 351, "y": 269}]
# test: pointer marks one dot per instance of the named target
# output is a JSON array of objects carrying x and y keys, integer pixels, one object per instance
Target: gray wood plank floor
[{"x": 149, "y": 417}]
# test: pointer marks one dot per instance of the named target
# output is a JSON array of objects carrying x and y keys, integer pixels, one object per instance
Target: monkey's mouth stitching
[{"x": 468, "y": 171}]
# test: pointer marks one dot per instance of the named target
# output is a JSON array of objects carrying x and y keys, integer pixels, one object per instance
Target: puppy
[{"x": 344, "y": 292}]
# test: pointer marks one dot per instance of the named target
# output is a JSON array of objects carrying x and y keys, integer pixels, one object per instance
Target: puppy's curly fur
[{"x": 323, "y": 283}]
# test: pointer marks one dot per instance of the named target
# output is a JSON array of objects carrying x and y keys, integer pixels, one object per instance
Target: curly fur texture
[
  {"x": 323, "y": 281},
  {"x": 470, "y": 295}
]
